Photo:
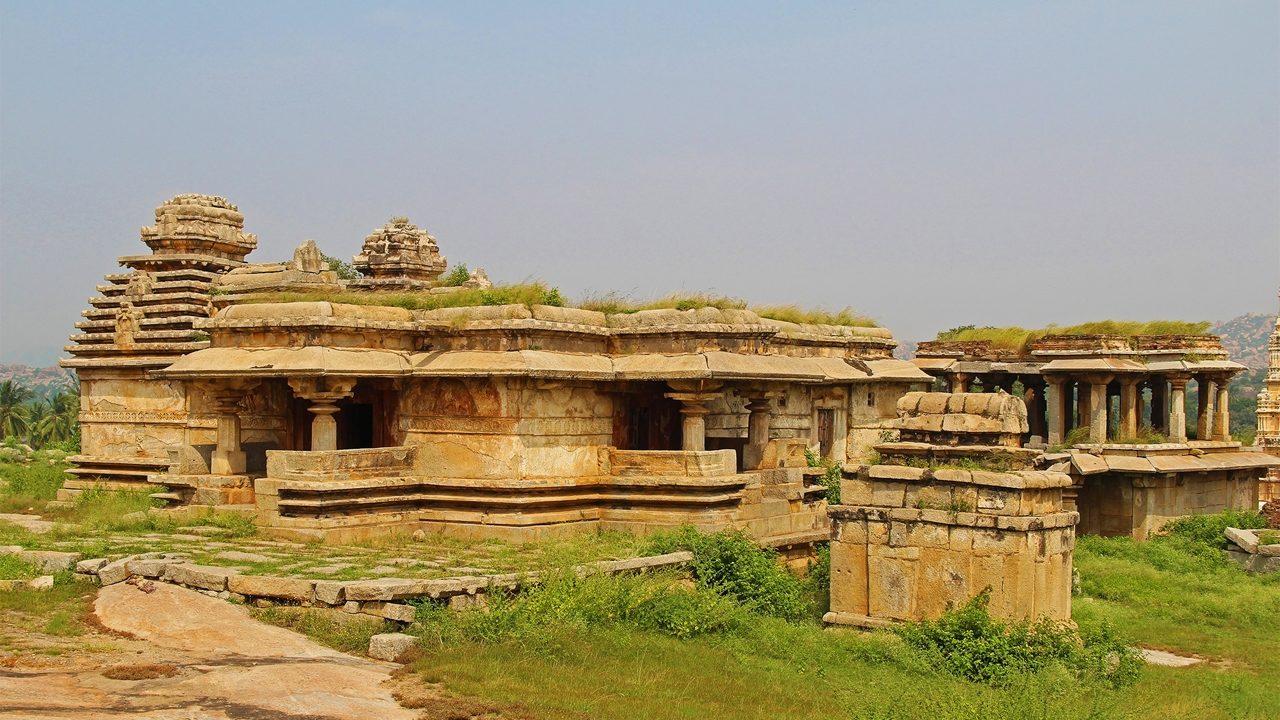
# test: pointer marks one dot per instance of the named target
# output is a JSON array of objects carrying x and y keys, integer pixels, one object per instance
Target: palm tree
[
  {"x": 13, "y": 408},
  {"x": 61, "y": 417},
  {"x": 39, "y": 422}
]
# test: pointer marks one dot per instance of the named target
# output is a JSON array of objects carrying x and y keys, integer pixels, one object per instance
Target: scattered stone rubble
[{"x": 1247, "y": 550}]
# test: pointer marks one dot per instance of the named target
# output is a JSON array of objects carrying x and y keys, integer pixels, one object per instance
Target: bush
[
  {"x": 455, "y": 277},
  {"x": 1208, "y": 529},
  {"x": 829, "y": 479},
  {"x": 969, "y": 643},
  {"x": 660, "y": 602},
  {"x": 731, "y": 565},
  {"x": 344, "y": 269}
]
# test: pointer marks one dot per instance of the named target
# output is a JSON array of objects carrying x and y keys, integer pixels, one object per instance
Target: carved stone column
[
  {"x": 959, "y": 382},
  {"x": 759, "y": 409},
  {"x": 1204, "y": 406},
  {"x": 1222, "y": 416},
  {"x": 693, "y": 413},
  {"x": 228, "y": 400},
  {"x": 324, "y": 393},
  {"x": 1159, "y": 403},
  {"x": 1058, "y": 408},
  {"x": 1129, "y": 403},
  {"x": 1178, "y": 407},
  {"x": 1098, "y": 407}
]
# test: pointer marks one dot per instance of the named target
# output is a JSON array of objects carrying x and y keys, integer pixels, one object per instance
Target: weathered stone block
[
  {"x": 388, "y": 610},
  {"x": 294, "y": 589},
  {"x": 202, "y": 577},
  {"x": 392, "y": 647},
  {"x": 330, "y": 592}
]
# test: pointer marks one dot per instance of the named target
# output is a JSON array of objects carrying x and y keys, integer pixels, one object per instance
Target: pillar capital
[{"x": 323, "y": 388}]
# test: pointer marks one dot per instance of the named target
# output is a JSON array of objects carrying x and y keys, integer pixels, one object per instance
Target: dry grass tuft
[{"x": 139, "y": 672}]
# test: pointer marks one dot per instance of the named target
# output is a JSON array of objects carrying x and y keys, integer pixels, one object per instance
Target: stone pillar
[
  {"x": 1178, "y": 408},
  {"x": 693, "y": 412},
  {"x": 1139, "y": 406},
  {"x": 1084, "y": 405},
  {"x": 228, "y": 458},
  {"x": 228, "y": 401},
  {"x": 1204, "y": 406},
  {"x": 324, "y": 393},
  {"x": 1222, "y": 416},
  {"x": 1057, "y": 410},
  {"x": 1159, "y": 403},
  {"x": 959, "y": 382},
  {"x": 1098, "y": 408},
  {"x": 1129, "y": 404},
  {"x": 758, "y": 412}
]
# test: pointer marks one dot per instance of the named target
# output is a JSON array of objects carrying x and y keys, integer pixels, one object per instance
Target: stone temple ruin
[
  {"x": 209, "y": 380},
  {"x": 339, "y": 421}
]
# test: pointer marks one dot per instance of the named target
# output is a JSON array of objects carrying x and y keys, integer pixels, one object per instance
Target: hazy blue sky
[{"x": 930, "y": 164}]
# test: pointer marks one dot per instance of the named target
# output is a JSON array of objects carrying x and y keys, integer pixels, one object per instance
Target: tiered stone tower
[
  {"x": 143, "y": 320},
  {"x": 399, "y": 256},
  {"x": 1269, "y": 416}
]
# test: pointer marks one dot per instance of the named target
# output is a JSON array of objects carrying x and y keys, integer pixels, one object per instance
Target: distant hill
[
  {"x": 44, "y": 382},
  {"x": 1246, "y": 337}
]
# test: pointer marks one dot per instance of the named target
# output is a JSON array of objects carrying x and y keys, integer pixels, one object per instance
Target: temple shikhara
[
  {"x": 289, "y": 393},
  {"x": 1269, "y": 416}
]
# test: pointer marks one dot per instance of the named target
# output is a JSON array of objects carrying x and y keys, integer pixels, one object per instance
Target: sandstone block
[
  {"x": 150, "y": 567},
  {"x": 91, "y": 566},
  {"x": 330, "y": 592},
  {"x": 48, "y": 560},
  {"x": 203, "y": 577},
  {"x": 116, "y": 571},
  {"x": 392, "y": 647},
  {"x": 272, "y": 587},
  {"x": 385, "y": 589},
  {"x": 44, "y": 582},
  {"x": 388, "y": 610}
]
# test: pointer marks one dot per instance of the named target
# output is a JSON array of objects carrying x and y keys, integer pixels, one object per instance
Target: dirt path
[{"x": 192, "y": 657}]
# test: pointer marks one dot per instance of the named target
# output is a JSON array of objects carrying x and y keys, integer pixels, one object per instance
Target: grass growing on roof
[
  {"x": 618, "y": 304},
  {"x": 527, "y": 294},
  {"x": 1017, "y": 338}
]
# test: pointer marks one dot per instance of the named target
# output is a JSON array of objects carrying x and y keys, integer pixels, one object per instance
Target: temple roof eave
[{"x": 365, "y": 362}]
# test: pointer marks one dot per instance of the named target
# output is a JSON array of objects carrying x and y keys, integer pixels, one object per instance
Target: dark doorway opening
[
  {"x": 826, "y": 431},
  {"x": 645, "y": 419}
]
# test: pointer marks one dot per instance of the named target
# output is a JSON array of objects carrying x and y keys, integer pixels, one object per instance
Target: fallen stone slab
[
  {"x": 30, "y": 523},
  {"x": 389, "y": 611},
  {"x": 272, "y": 587},
  {"x": 149, "y": 567},
  {"x": 91, "y": 566},
  {"x": 50, "y": 561},
  {"x": 1246, "y": 539},
  {"x": 204, "y": 577},
  {"x": 44, "y": 582},
  {"x": 116, "y": 571},
  {"x": 392, "y": 647}
]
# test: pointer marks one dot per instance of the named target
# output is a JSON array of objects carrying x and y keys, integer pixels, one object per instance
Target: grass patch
[
  {"x": 617, "y": 304},
  {"x": 29, "y": 486},
  {"x": 331, "y": 628},
  {"x": 11, "y": 568}
]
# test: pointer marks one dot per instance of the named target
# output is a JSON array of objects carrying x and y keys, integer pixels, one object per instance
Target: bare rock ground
[{"x": 187, "y": 656}]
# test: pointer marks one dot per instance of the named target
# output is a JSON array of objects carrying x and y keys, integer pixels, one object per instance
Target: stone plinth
[{"x": 913, "y": 541}]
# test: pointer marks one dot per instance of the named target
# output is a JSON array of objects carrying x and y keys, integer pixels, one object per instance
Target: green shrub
[
  {"x": 730, "y": 564},
  {"x": 1209, "y": 529},
  {"x": 969, "y": 643},
  {"x": 455, "y": 277},
  {"x": 344, "y": 269},
  {"x": 829, "y": 479},
  {"x": 658, "y": 602}
]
